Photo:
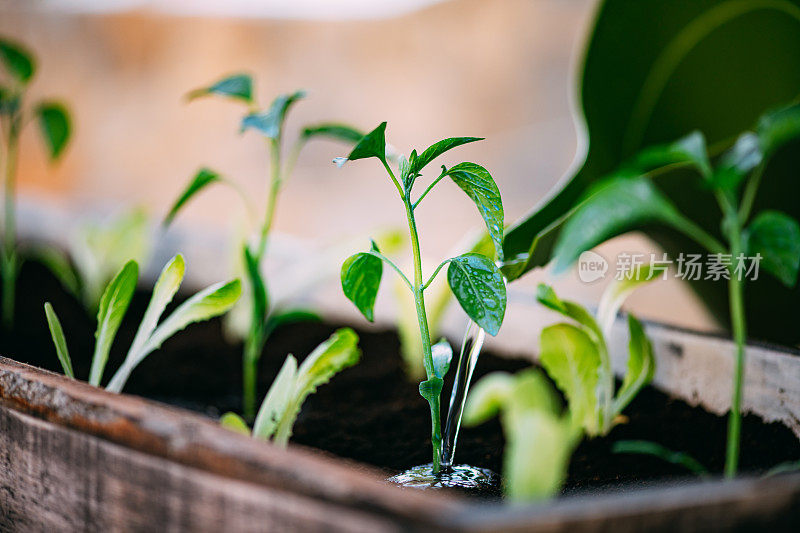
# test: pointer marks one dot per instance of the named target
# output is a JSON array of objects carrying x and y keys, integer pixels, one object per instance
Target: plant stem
[
  {"x": 736, "y": 297},
  {"x": 250, "y": 357},
  {"x": 9, "y": 267},
  {"x": 419, "y": 301},
  {"x": 749, "y": 195}
]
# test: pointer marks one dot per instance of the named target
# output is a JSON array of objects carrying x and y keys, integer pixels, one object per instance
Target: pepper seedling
[
  {"x": 473, "y": 278},
  {"x": 628, "y": 199},
  {"x": 293, "y": 384},
  {"x": 55, "y": 125},
  {"x": 269, "y": 123},
  {"x": 208, "y": 303}
]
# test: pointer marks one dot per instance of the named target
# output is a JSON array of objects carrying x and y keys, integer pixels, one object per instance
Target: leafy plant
[
  {"x": 540, "y": 438},
  {"x": 629, "y": 199},
  {"x": 55, "y": 125},
  {"x": 269, "y": 123},
  {"x": 208, "y": 303},
  {"x": 293, "y": 384},
  {"x": 473, "y": 278},
  {"x": 575, "y": 355}
]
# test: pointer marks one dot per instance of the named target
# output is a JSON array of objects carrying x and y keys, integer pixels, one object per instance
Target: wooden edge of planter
[{"x": 191, "y": 440}]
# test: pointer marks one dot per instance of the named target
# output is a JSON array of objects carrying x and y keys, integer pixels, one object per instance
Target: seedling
[
  {"x": 628, "y": 199},
  {"x": 54, "y": 121},
  {"x": 268, "y": 122},
  {"x": 291, "y": 387},
  {"x": 208, "y": 303},
  {"x": 473, "y": 278}
]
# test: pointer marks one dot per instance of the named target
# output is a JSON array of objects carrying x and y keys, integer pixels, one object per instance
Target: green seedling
[
  {"x": 269, "y": 123},
  {"x": 18, "y": 69},
  {"x": 293, "y": 384},
  {"x": 629, "y": 199},
  {"x": 473, "y": 278},
  {"x": 540, "y": 437},
  {"x": 208, "y": 303},
  {"x": 653, "y": 449}
]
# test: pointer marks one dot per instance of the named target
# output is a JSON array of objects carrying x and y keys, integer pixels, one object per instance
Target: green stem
[
  {"x": 272, "y": 196},
  {"x": 749, "y": 195},
  {"x": 736, "y": 297},
  {"x": 9, "y": 267},
  {"x": 252, "y": 353}
]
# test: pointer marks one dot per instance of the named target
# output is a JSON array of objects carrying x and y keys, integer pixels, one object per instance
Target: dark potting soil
[{"x": 370, "y": 412}]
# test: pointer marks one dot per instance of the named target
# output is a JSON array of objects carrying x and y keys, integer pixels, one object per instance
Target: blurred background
[{"x": 503, "y": 70}]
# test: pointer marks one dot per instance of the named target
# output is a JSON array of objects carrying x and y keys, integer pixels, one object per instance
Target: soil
[{"x": 370, "y": 412}]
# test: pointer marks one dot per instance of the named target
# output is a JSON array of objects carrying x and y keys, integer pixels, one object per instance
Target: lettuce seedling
[
  {"x": 269, "y": 123},
  {"x": 575, "y": 355},
  {"x": 54, "y": 121},
  {"x": 208, "y": 303},
  {"x": 473, "y": 278},
  {"x": 628, "y": 199},
  {"x": 540, "y": 437},
  {"x": 293, "y": 384}
]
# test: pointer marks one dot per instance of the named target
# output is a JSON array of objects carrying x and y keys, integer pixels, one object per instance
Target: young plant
[
  {"x": 575, "y": 355},
  {"x": 628, "y": 200},
  {"x": 292, "y": 386},
  {"x": 473, "y": 278},
  {"x": 540, "y": 438},
  {"x": 54, "y": 122},
  {"x": 269, "y": 123},
  {"x": 208, "y": 303}
]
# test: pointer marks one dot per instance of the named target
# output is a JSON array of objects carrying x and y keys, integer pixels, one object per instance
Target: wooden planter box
[{"x": 78, "y": 458}]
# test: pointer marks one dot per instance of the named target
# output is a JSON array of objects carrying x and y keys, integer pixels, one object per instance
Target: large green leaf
[
  {"x": 361, "y": 278},
  {"x": 60, "y": 342},
  {"x": 480, "y": 289},
  {"x": 56, "y": 128},
  {"x": 17, "y": 61},
  {"x": 203, "y": 178},
  {"x": 236, "y": 86},
  {"x": 481, "y": 188},
  {"x": 776, "y": 237},
  {"x": 113, "y": 305},
  {"x": 270, "y": 122},
  {"x": 641, "y": 365}
]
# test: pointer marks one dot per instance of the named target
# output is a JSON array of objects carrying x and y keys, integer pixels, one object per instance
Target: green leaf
[
  {"x": 776, "y": 237},
  {"x": 690, "y": 149},
  {"x": 234, "y": 422},
  {"x": 167, "y": 285},
  {"x": 292, "y": 316},
  {"x": 777, "y": 128},
  {"x": 736, "y": 163},
  {"x": 9, "y": 102},
  {"x": 59, "y": 265},
  {"x": 618, "y": 291},
  {"x": 437, "y": 149},
  {"x": 442, "y": 355},
  {"x": 332, "y": 356},
  {"x": 361, "y": 278},
  {"x": 373, "y": 144},
  {"x": 641, "y": 365},
  {"x": 58, "y": 340},
  {"x": 481, "y": 188},
  {"x": 56, "y": 127},
  {"x": 270, "y": 122},
  {"x": 204, "y": 177},
  {"x": 208, "y": 303},
  {"x": 571, "y": 358},
  {"x": 17, "y": 60},
  {"x": 618, "y": 206},
  {"x": 480, "y": 290},
  {"x": 644, "y": 447},
  {"x": 547, "y": 297},
  {"x": 236, "y": 86},
  {"x": 259, "y": 288},
  {"x": 113, "y": 305},
  {"x": 487, "y": 397},
  {"x": 431, "y": 389},
  {"x": 278, "y": 397},
  {"x": 332, "y": 130}
]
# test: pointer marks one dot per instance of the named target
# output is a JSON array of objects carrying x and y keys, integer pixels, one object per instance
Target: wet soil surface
[{"x": 371, "y": 412}]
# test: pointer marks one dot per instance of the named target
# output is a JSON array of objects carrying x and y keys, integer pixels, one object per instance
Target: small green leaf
[
  {"x": 57, "y": 333},
  {"x": 18, "y": 62},
  {"x": 487, "y": 397},
  {"x": 479, "y": 287},
  {"x": 373, "y": 144},
  {"x": 259, "y": 288},
  {"x": 9, "y": 102},
  {"x": 335, "y": 131},
  {"x": 361, "y": 278},
  {"x": 57, "y": 262},
  {"x": 277, "y": 399},
  {"x": 776, "y": 237},
  {"x": 431, "y": 389},
  {"x": 56, "y": 128},
  {"x": 442, "y": 355},
  {"x": 690, "y": 149},
  {"x": 292, "y": 316},
  {"x": 113, "y": 305},
  {"x": 618, "y": 291},
  {"x": 547, "y": 297},
  {"x": 270, "y": 122},
  {"x": 644, "y": 447},
  {"x": 236, "y": 86},
  {"x": 736, "y": 163},
  {"x": 437, "y": 149},
  {"x": 641, "y": 365},
  {"x": 481, "y": 188},
  {"x": 778, "y": 127},
  {"x": 571, "y": 358},
  {"x": 204, "y": 177},
  {"x": 234, "y": 422}
]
